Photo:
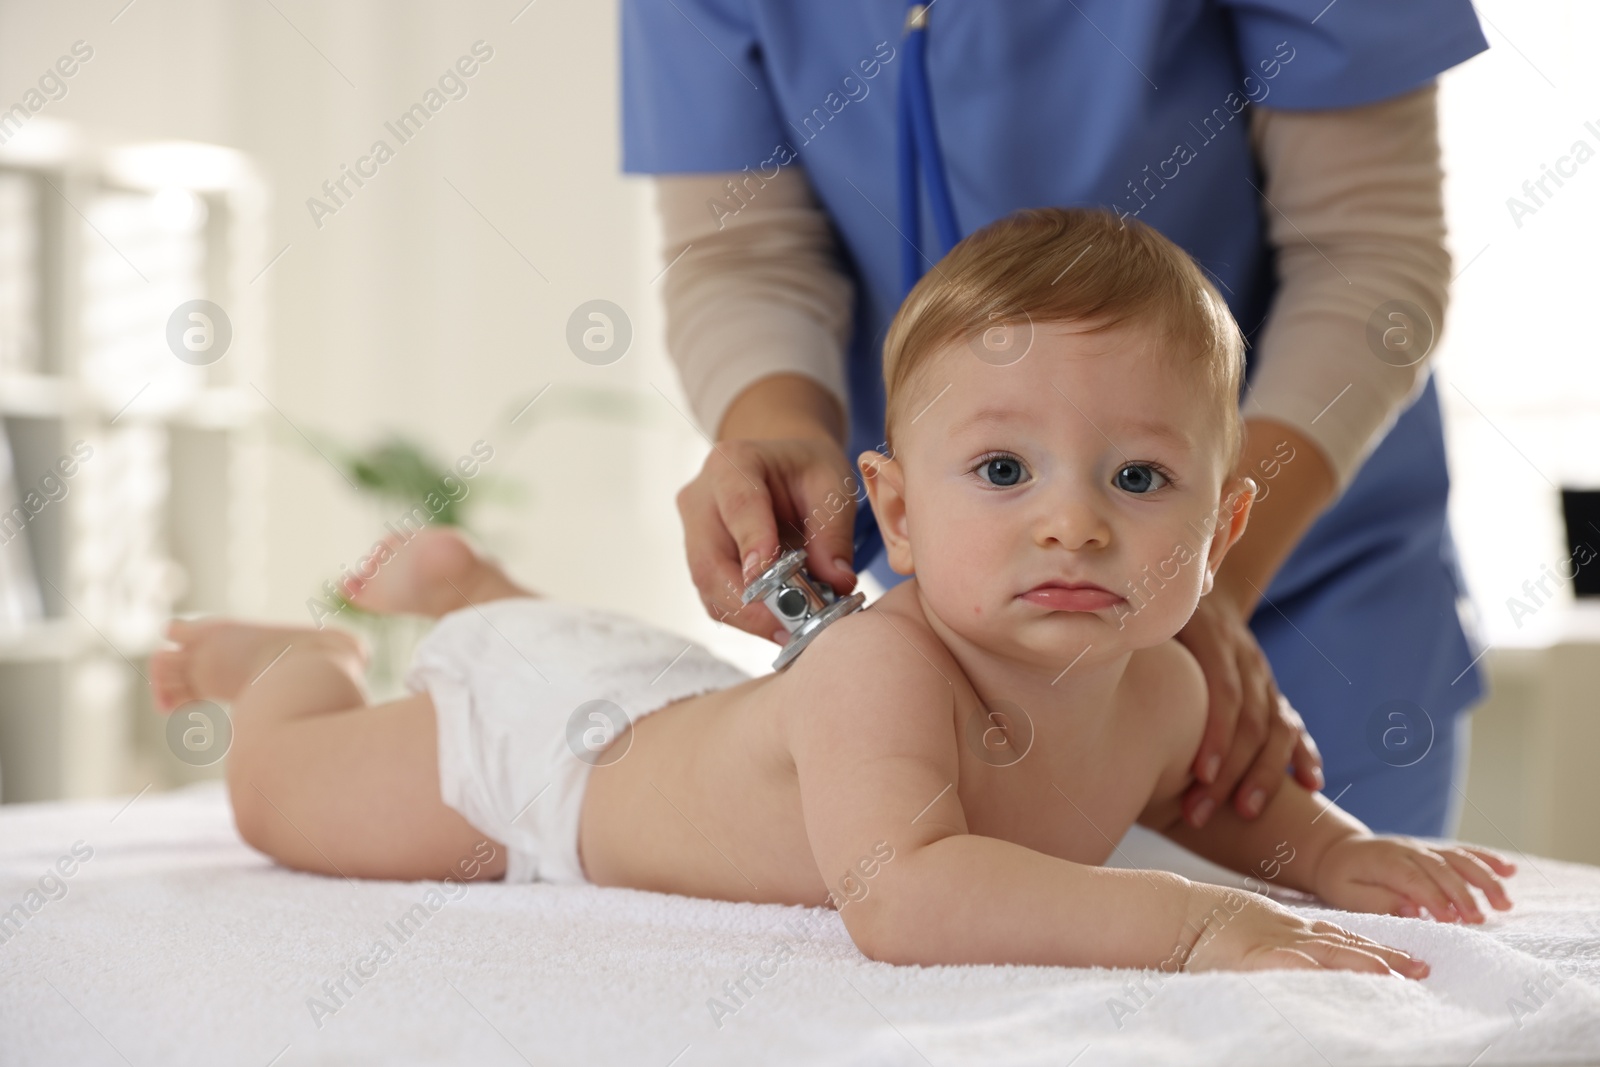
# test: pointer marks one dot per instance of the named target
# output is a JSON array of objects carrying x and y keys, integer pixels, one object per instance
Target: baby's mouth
[{"x": 1072, "y": 596}]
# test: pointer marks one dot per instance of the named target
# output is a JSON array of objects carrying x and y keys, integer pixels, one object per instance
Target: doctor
[{"x": 814, "y": 158}]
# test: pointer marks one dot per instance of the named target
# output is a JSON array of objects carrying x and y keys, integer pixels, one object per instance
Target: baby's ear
[
  {"x": 886, "y": 489},
  {"x": 1233, "y": 513}
]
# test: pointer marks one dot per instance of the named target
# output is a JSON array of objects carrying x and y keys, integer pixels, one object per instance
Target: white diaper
[{"x": 506, "y": 680}]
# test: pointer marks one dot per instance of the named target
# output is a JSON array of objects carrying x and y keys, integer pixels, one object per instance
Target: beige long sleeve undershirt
[
  {"x": 1353, "y": 205},
  {"x": 759, "y": 290},
  {"x": 1355, "y": 208}
]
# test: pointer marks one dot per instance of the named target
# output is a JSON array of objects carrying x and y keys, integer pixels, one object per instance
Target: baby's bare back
[{"x": 707, "y": 802}]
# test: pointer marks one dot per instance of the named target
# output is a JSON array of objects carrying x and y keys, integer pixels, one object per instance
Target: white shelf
[
  {"x": 38, "y": 396},
  {"x": 162, "y": 517},
  {"x": 47, "y": 639}
]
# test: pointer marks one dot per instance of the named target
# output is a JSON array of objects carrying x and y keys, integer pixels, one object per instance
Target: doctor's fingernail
[
  {"x": 1253, "y": 802},
  {"x": 1203, "y": 810},
  {"x": 1208, "y": 773},
  {"x": 751, "y": 558},
  {"x": 843, "y": 564}
]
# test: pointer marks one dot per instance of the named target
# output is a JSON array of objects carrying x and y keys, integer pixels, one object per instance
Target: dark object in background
[{"x": 1581, "y": 510}]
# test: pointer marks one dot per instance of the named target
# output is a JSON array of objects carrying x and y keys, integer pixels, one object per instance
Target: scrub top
[{"x": 1141, "y": 108}]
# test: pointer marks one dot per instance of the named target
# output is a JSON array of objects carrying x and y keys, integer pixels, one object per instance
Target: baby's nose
[{"x": 1071, "y": 521}]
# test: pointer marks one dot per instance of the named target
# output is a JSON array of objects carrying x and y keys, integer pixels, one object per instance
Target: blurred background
[{"x": 227, "y": 366}]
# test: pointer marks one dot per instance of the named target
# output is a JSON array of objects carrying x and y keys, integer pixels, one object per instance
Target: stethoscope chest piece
[{"x": 805, "y": 605}]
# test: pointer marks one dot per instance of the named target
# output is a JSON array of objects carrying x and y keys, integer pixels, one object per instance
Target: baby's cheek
[
  {"x": 1159, "y": 606},
  {"x": 956, "y": 585},
  {"x": 949, "y": 548},
  {"x": 951, "y": 590}
]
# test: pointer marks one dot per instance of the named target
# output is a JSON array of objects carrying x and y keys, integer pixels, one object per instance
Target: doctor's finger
[
  {"x": 1221, "y": 669},
  {"x": 1250, "y": 733},
  {"x": 1307, "y": 760},
  {"x": 714, "y": 563},
  {"x": 744, "y": 506},
  {"x": 1305, "y": 757},
  {"x": 827, "y": 514},
  {"x": 1266, "y": 775},
  {"x": 1246, "y": 745}
]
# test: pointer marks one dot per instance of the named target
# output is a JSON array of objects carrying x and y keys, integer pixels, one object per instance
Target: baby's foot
[
  {"x": 217, "y": 658},
  {"x": 434, "y": 573}
]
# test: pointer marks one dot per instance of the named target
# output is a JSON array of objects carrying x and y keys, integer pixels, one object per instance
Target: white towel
[{"x": 174, "y": 944}]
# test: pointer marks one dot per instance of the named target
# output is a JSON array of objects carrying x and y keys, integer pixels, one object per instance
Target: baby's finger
[
  {"x": 1334, "y": 954},
  {"x": 1454, "y": 885},
  {"x": 1397, "y": 959},
  {"x": 1497, "y": 863},
  {"x": 1411, "y": 879},
  {"x": 1282, "y": 958},
  {"x": 1477, "y": 872}
]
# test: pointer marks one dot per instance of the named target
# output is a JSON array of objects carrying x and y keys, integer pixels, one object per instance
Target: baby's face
[{"x": 1093, "y": 459}]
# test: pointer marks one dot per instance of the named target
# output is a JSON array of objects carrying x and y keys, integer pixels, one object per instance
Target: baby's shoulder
[
  {"x": 881, "y": 676},
  {"x": 885, "y": 648},
  {"x": 1166, "y": 693}
]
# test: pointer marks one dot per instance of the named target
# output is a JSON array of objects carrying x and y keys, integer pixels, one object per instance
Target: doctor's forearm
[
  {"x": 1357, "y": 217},
  {"x": 783, "y": 406},
  {"x": 1355, "y": 212},
  {"x": 1294, "y": 482},
  {"x": 758, "y": 306}
]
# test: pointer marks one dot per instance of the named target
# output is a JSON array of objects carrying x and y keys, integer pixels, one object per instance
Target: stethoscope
[
  {"x": 918, "y": 146},
  {"x": 803, "y": 604}
]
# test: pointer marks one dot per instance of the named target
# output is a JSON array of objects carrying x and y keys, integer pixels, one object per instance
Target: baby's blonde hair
[{"x": 1080, "y": 265}]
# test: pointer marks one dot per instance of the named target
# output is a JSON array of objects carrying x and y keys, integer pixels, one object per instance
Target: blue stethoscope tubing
[{"x": 917, "y": 148}]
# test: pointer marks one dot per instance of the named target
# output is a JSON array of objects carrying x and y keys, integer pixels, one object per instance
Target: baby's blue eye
[
  {"x": 1002, "y": 471},
  {"x": 1141, "y": 479}
]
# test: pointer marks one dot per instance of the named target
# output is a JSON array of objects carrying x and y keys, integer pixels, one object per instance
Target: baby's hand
[
  {"x": 1240, "y": 931},
  {"x": 1403, "y": 876}
]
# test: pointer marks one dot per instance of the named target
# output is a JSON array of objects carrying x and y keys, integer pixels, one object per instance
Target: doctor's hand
[
  {"x": 1252, "y": 732},
  {"x": 779, "y": 466}
]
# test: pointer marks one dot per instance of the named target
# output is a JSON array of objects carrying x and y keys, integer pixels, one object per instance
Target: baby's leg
[
  {"x": 319, "y": 780},
  {"x": 435, "y": 571}
]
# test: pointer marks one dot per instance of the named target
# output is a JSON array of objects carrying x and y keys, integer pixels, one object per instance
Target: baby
[{"x": 949, "y": 767}]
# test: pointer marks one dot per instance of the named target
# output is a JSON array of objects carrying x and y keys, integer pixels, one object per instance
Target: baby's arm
[
  {"x": 1305, "y": 842},
  {"x": 874, "y": 743}
]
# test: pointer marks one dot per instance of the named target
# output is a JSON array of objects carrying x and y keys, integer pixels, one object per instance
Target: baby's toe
[
  {"x": 181, "y": 631},
  {"x": 169, "y": 679}
]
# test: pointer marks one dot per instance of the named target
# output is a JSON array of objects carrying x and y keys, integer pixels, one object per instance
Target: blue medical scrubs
[{"x": 1141, "y": 108}]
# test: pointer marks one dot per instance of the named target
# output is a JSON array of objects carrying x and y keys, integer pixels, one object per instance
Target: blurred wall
[{"x": 436, "y": 298}]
